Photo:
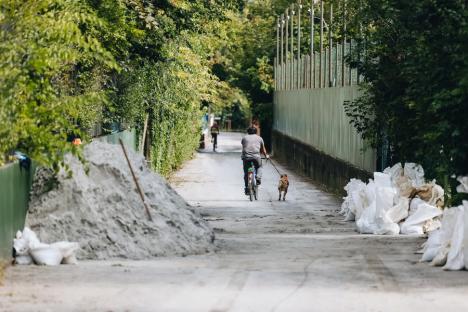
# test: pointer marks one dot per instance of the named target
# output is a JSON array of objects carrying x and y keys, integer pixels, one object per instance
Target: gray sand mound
[{"x": 104, "y": 213}]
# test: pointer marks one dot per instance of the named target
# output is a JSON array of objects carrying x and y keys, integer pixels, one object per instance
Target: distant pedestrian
[{"x": 214, "y": 135}]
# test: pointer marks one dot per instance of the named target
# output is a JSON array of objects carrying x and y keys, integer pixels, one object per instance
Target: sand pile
[{"x": 102, "y": 210}]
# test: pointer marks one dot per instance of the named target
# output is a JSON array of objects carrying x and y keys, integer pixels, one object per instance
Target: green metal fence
[
  {"x": 15, "y": 185},
  {"x": 317, "y": 118}
]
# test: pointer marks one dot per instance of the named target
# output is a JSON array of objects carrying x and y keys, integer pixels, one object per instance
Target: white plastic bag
[
  {"x": 23, "y": 260},
  {"x": 382, "y": 179},
  {"x": 400, "y": 211},
  {"x": 415, "y": 222},
  {"x": 455, "y": 256},
  {"x": 463, "y": 187},
  {"x": 366, "y": 223},
  {"x": 395, "y": 173},
  {"x": 68, "y": 250},
  {"x": 415, "y": 173},
  {"x": 434, "y": 242},
  {"x": 46, "y": 255}
]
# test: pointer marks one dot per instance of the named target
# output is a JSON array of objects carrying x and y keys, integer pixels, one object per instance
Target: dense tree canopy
[
  {"x": 416, "y": 90},
  {"x": 69, "y": 65}
]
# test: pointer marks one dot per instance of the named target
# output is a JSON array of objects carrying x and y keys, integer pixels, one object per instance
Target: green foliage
[
  {"x": 416, "y": 91},
  {"x": 43, "y": 93}
]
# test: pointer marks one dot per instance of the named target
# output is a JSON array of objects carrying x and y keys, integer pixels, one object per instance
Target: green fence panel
[
  {"x": 15, "y": 184},
  {"x": 316, "y": 117}
]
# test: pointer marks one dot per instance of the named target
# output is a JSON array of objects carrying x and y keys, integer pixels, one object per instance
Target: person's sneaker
[{"x": 259, "y": 181}]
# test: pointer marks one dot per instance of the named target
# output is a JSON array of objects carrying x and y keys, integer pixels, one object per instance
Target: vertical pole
[
  {"x": 287, "y": 51},
  {"x": 321, "y": 44},
  {"x": 343, "y": 47},
  {"x": 335, "y": 71},
  {"x": 312, "y": 56},
  {"x": 282, "y": 51},
  {"x": 330, "y": 47},
  {"x": 277, "y": 53},
  {"x": 350, "y": 68},
  {"x": 299, "y": 62},
  {"x": 292, "y": 48}
]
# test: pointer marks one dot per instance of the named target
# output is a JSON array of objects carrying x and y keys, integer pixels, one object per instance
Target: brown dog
[{"x": 283, "y": 186}]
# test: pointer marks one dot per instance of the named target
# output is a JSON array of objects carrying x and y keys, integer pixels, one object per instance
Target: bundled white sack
[
  {"x": 432, "y": 245},
  {"x": 354, "y": 200},
  {"x": 395, "y": 172},
  {"x": 29, "y": 249},
  {"x": 46, "y": 255},
  {"x": 414, "y": 224},
  {"x": 366, "y": 223},
  {"x": 455, "y": 256},
  {"x": 400, "y": 210},
  {"x": 384, "y": 199},
  {"x": 415, "y": 173},
  {"x": 67, "y": 250},
  {"x": 463, "y": 187}
]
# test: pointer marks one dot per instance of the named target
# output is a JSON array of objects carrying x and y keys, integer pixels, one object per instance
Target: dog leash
[{"x": 271, "y": 161}]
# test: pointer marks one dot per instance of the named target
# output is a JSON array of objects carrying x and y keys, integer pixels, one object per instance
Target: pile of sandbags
[
  {"x": 444, "y": 246},
  {"x": 398, "y": 200},
  {"x": 29, "y": 249}
]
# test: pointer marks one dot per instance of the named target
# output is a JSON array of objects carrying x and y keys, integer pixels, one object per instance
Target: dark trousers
[
  {"x": 214, "y": 136},
  {"x": 258, "y": 166}
]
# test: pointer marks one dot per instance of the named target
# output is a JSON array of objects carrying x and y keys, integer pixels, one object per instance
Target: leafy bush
[{"x": 416, "y": 90}]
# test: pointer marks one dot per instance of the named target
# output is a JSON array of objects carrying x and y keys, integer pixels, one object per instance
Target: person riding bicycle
[{"x": 252, "y": 147}]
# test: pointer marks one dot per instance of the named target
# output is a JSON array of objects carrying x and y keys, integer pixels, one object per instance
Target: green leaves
[
  {"x": 416, "y": 92},
  {"x": 42, "y": 47}
]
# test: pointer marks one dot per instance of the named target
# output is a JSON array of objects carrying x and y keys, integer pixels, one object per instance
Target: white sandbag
[
  {"x": 465, "y": 235},
  {"x": 432, "y": 225},
  {"x": 455, "y": 256},
  {"x": 70, "y": 260},
  {"x": 441, "y": 257},
  {"x": 354, "y": 203},
  {"x": 350, "y": 216},
  {"x": 463, "y": 187},
  {"x": 405, "y": 186},
  {"x": 366, "y": 223},
  {"x": 31, "y": 237},
  {"x": 360, "y": 200},
  {"x": 23, "y": 260},
  {"x": 415, "y": 222},
  {"x": 21, "y": 246},
  {"x": 400, "y": 211},
  {"x": 68, "y": 250},
  {"x": 414, "y": 204},
  {"x": 395, "y": 172},
  {"x": 449, "y": 219},
  {"x": 414, "y": 172},
  {"x": 382, "y": 179},
  {"x": 384, "y": 199},
  {"x": 46, "y": 255},
  {"x": 431, "y": 247}
]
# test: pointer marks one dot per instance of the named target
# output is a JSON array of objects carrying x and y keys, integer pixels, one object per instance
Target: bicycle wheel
[{"x": 251, "y": 187}]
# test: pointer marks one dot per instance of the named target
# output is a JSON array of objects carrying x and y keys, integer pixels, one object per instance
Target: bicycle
[{"x": 252, "y": 185}]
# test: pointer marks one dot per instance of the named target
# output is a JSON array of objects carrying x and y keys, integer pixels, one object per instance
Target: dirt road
[{"x": 295, "y": 255}]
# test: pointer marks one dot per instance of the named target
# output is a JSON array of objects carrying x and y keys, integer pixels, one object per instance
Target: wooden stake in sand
[{"x": 136, "y": 181}]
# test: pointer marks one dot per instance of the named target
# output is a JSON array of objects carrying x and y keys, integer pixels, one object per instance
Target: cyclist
[
  {"x": 214, "y": 134},
  {"x": 252, "y": 147}
]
